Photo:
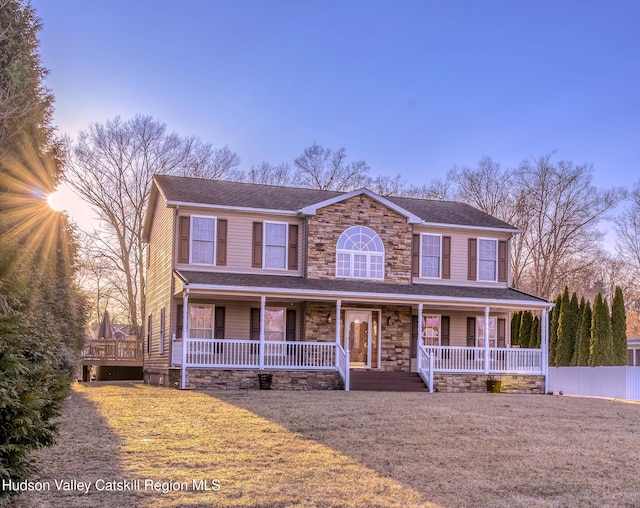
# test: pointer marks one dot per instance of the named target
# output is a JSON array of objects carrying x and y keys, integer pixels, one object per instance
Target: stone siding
[
  {"x": 477, "y": 383},
  {"x": 215, "y": 379},
  {"x": 331, "y": 221},
  {"x": 315, "y": 324},
  {"x": 396, "y": 338}
]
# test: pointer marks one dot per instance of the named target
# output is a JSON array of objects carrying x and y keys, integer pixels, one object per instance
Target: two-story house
[{"x": 312, "y": 285}]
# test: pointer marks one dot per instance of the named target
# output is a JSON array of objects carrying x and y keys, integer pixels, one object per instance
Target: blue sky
[{"x": 410, "y": 87}]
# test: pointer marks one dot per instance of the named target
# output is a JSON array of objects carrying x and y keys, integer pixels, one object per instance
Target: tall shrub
[
  {"x": 601, "y": 350},
  {"x": 516, "y": 318},
  {"x": 553, "y": 329},
  {"x": 567, "y": 329},
  {"x": 619, "y": 328},
  {"x": 584, "y": 336},
  {"x": 525, "y": 328}
]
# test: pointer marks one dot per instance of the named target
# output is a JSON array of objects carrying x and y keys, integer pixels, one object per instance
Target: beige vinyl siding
[
  {"x": 159, "y": 286},
  {"x": 458, "y": 325},
  {"x": 459, "y": 254},
  {"x": 238, "y": 315},
  {"x": 239, "y": 242}
]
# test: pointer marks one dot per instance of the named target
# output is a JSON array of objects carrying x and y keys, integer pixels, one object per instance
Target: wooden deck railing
[{"x": 113, "y": 349}]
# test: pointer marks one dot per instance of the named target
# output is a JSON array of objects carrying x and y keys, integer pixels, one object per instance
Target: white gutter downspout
[{"x": 185, "y": 336}]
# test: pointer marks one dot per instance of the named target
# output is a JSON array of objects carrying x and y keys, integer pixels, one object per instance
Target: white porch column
[
  {"x": 338, "y": 321},
  {"x": 486, "y": 340},
  {"x": 419, "y": 339},
  {"x": 544, "y": 345},
  {"x": 185, "y": 336},
  {"x": 263, "y": 305}
]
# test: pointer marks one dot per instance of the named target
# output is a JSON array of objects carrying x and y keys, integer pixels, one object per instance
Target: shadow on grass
[
  {"x": 196, "y": 439},
  {"x": 87, "y": 452},
  {"x": 337, "y": 449},
  {"x": 471, "y": 449}
]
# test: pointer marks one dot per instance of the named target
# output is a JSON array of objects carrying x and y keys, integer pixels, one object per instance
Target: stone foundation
[
  {"x": 215, "y": 379},
  {"x": 477, "y": 383}
]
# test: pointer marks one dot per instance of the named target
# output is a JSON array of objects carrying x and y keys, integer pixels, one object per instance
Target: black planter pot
[{"x": 265, "y": 379}]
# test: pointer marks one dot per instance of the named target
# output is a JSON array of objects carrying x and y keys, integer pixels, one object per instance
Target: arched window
[{"x": 360, "y": 254}]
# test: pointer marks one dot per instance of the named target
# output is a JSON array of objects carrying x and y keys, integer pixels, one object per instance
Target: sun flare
[{"x": 55, "y": 200}]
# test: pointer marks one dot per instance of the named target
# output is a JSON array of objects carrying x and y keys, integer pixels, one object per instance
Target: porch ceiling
[{"x": 291, "y": 288}]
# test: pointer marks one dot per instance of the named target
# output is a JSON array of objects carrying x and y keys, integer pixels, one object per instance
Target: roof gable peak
[{"x": 313, "y": 208}]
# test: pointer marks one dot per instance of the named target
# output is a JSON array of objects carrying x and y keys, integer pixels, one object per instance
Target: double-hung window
[
  {"x": 275, "y": 245},
  {"x": 431, "y": 330},
  {"x": 203, "y": 236},
  {"x": 431, "y": 256},
  {"x": 487, "y": 259},
  {"x": 200, "y": 321},
  {"x": 493, "y": 333},
  {"x": 274, "y": 324},
  {"x": 360, "y": 254}
]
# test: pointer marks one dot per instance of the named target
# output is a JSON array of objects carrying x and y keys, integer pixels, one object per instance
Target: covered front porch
[{"x": 336, "y": 335}]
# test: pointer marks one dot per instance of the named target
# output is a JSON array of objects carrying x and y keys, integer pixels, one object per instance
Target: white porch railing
[
  {"x": 245, "y": 354},
  {"x": 472, "y": 359},
  {"x": 425, "y": 367},
  {"x": 342, "y": 365}
]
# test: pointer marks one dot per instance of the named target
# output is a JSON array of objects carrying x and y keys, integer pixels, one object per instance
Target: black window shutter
[
  {"x": 446, "y": 257},
  {"x": 257, "y": 244},
  {"x": 445, "y": 327},
  {"x": 293, "y": 247},
  {"x": 502, "y": 261},
  {"x": 254, "y": 331},
  {"x": 221, "y": 247},
  {"x": 472, "y": 265},
  {"x": 471, "y": 332},
  {"x": 502, "y": 326},
  {"x": 291, "y": 325},
  {"x": 179, "y": 321},
  {"x": 183, "y": 239},
  {"x": 218, "y": 332},
  {"x": 415, "y": 256}
]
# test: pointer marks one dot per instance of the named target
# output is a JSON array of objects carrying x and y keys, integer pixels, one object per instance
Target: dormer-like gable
[{"x": 359, "y": 235}]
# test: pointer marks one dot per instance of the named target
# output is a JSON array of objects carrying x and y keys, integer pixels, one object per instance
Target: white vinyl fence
[{"x": 615, "y": 382}]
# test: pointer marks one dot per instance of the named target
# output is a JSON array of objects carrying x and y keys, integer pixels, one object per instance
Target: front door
[{"x": 357, "y": 334}]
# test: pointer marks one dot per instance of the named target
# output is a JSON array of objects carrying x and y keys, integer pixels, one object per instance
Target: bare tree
[
  {"x": 111, "y": 167},
  {"x": 441, "y": 190},
  {"x": 628, "y": 246},
  {"x": 325, "y": 169},
  {"x": 561, "y": 209},
  {"x": 387, "y": 185},
  {"x": 488, "y": 188},
  {"x": 101, "y": 281},
  {"x": 268, "y": 174}
]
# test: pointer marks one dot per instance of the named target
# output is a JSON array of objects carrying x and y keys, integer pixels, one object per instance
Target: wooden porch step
[{"x": 381, "y": 381}]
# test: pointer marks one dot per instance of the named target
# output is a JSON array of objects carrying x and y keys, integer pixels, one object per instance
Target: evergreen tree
[
  {"x": 516, "y": 318},
  {"x": 619, "y": 328},
  {"x": 42, "y": 309},
  {"x": 525, "y": 328},
  {"x": 534, "y": 338},
  {"x": 553, "y": 330},
  {"x": 600, "y": 352},
  {"x": 584, "y": 336},
  {"x": 567, "y": 329},
  {"x": 574, "y": 357}
]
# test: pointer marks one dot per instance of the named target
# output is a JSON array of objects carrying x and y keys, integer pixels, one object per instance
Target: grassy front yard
[{"x": 326, "y": 449}]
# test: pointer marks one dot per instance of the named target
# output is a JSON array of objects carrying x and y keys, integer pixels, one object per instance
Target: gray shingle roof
[
  {"x": 273, "y": 197},
  {"x": 277, "y": 282}
]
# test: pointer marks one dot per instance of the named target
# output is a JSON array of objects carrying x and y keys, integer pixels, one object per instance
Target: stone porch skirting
[{"x": 477, "y": 383}]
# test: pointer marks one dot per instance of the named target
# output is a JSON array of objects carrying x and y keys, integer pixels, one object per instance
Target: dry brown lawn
[{"x": 337, "y": 449}]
